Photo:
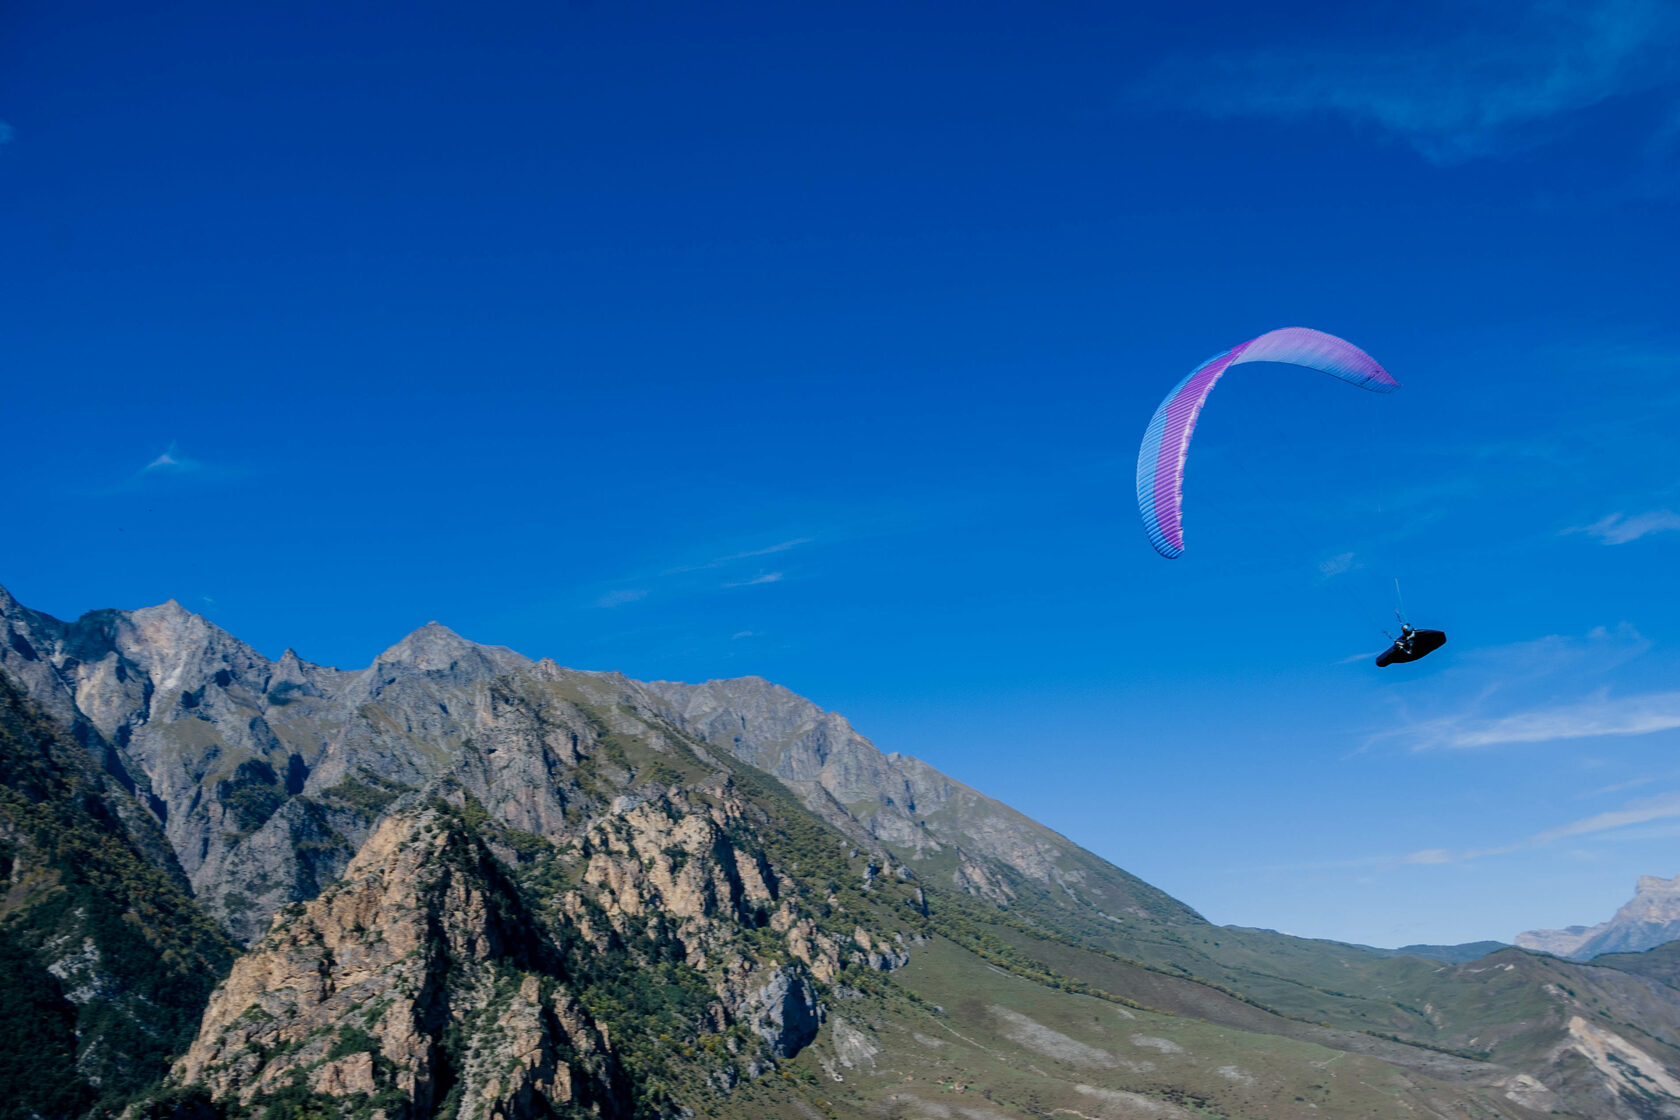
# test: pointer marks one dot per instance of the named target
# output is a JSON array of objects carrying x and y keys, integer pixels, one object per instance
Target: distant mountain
[
  {"x": 1452, "y": 954},
  {"x": 470, "y": 884},
  {"x": 1650, "y": 919}
]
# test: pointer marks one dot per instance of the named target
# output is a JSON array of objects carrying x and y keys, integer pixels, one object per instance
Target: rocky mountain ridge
[
  {"x": 1649, "y": 919},
  {"x": 473, "y": 883},
  {"x": 264, "y": 774}
]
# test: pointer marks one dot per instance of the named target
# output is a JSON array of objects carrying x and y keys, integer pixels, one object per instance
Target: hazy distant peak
[
  {"x": 1655, "y": 899},
  {"x": 1649, "y": 919}
]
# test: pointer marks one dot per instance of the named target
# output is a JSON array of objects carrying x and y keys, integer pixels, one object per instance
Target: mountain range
[{"x": 461, "y": 882}]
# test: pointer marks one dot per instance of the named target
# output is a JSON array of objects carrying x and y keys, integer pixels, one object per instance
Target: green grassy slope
[
  {"x": 978, "y": 1041},
  {"x": 1661, "y": 964}
]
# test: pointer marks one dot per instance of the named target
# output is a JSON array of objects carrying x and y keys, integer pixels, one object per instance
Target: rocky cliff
[
  {"x": 267, "y": 776},
  {"x": 1650, "y": 918},
  {"x": 471, "y": 883},
  {"x": 415, "y": 983}
]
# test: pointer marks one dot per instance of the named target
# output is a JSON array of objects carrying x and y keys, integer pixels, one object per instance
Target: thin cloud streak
[
  {"x": 1619, "y": 528},
  {"x": 1661, "y": 807},
  {"x": 1599, "y": 715},
  {"x": 1535, "y": 692},
  {"x": 767, "y": 577},
  {"x": 733, "y": 557},
  {"x": 664, "y": 583},
  {"x": 1632, "y": 783},
  {"x": 1482, "y": 92},
  {"x": 1665, "y": 806}
]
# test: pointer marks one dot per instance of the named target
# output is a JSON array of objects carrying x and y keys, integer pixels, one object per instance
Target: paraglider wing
[{"x": 1160, "y": 471}]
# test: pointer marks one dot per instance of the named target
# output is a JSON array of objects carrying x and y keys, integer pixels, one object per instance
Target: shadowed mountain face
[
  {"x": 105, "y": 960},
  {"x": 1651, "y": 918},
  {"x": 471, "y": 883}
]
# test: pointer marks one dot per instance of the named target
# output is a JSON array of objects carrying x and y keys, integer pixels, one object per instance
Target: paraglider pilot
[{"x": 1411, "y": 645}]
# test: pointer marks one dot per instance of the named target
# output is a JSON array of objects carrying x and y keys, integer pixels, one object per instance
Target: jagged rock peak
[
  {"x": 1655, "y": 896},
  {"x": 435, "y": 647},
  {"x": 1649, "y": 919},
  {"x": 171, "y": 616},
  {"x": 351, "y": 993}
]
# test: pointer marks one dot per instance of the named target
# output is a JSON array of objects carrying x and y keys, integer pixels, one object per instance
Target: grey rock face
[
  {"x": 352, "y": 991},
  {"x": 897, "y": 799},
  {"x": 483, "y": 795},
  {"x": 784, "y": 1012},
  {"x": 898, "y": 802},
  {"x": 1650, "y": 918},
  {"x": 266, "y": 777}
]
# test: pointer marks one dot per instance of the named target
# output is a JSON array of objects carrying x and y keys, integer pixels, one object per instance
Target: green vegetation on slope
[
  {"x": 1661, "y": 964},
  {"x": 135, "y": 958}
]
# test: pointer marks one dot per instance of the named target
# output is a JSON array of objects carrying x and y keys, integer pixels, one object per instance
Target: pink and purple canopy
[{"x": 1160, "y": 471}]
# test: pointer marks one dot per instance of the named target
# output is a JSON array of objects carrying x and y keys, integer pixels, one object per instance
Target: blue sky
[{"x": 815, "y": 341}]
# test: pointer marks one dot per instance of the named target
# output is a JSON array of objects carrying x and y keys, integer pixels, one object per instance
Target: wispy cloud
[
  {"x": 1661, "y": 807},
  {"x": 1598, "y": 715},
  {"x": 1536, "y": 691},
  {"x": 171, "y": 461},
  {"x": 686, "y": 580},
  {"x": 1616, "y": 824},
  {"x": 1664, "y": 806},
  {"x": 1336, "y": 565},
  {"x": 7, "y": 132},
  {"x": 1505, "y": 81},
  {"x": 766, "y": 577},
  {"x": 1555, "y": 656},
  {"x": 733, "y": 557},
  {"x": 1619, "y": 528},
  {"x": 1617, "y": 787}
]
